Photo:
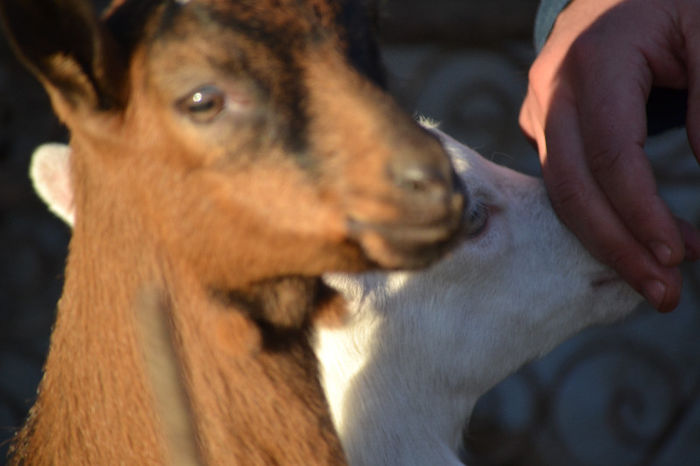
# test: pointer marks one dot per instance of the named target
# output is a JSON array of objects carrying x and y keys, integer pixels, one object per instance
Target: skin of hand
[{"x": 586, "y": 111}]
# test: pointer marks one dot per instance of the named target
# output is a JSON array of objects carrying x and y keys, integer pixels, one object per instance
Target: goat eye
[{"x": 202, "y": 105}]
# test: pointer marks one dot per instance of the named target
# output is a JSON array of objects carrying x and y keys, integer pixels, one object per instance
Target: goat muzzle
[{"x": 429, "y": 201}]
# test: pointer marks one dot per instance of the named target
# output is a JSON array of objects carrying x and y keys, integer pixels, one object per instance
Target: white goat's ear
[
  {"x": 50, "y": 174},
  {"x": 427, "y": 122}
]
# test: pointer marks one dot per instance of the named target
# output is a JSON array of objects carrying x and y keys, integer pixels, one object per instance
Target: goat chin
[{"x": 420, "y": 348}]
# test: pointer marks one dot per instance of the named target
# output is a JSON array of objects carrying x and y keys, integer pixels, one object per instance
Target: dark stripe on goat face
[
  {"x": 354, "y": 21},
  {"x": 259, "y": 45},
  {"x": 265, "y": 43}
]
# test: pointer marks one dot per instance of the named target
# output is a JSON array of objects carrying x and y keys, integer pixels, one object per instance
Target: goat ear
[
  {"x": 66, "y": 46},
  {"x": 50, "y": 174}
]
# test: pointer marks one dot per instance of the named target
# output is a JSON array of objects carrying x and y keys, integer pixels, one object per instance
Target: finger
[
  {"x": 530, "y": 119},
  {"x": 613, "y": 125},
  {"x": 586, "y": 211},
  {"x": 691, "y": 26},
  {"x": 691, "y": 30},
  {"x": 691, "y": 238},
  {"x": 539, "y": 93},
  {"x": 525, "y": 120}
]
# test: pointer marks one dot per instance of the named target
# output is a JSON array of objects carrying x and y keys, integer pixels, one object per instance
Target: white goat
[{"x": 421, "y": 347}]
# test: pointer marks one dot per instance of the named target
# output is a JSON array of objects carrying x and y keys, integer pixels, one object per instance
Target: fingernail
[
  {"x": 655, "y": 292},
  {"x": 661, "y": 251}
]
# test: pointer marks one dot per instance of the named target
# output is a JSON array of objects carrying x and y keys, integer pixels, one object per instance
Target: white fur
[
  {"x": 420, "y": 348},
  {"x": 50, "y": 174},
  {"x": 403, "y": 376}
]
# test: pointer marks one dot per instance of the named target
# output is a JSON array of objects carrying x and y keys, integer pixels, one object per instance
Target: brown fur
[{"x": 225, "y": 225}]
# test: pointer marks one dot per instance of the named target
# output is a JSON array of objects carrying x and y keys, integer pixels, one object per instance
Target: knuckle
[
  {"x": 567, "y": 195},
  {"x": 628, "y": 260},
  {"x": 622, "y": 259},
  {"x": 603, "y": 162},
  {"x": 526, "y": 117},
  {"x": 539, "y": 72},
  {"x": 585, "y": 47},
  {"x": 637, "y": 217}
]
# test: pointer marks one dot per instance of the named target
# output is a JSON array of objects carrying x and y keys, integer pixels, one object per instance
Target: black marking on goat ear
[
  {"x": 128, "y": 21},
  {"x": 359, "y": 24},
  {"x": 64, "y": 43}
]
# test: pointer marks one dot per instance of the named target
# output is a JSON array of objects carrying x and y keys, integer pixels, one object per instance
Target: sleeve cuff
[{"x": 544, "y": 22}]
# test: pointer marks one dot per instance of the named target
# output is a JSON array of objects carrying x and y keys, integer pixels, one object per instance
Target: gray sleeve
[{"x": 544, "y": 22}]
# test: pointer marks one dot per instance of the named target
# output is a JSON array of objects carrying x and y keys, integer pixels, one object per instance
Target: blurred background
[{"x": 623, "y": 395}]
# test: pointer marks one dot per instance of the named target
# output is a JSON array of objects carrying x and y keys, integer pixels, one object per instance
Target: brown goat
[{"x": 225, "y": 154}]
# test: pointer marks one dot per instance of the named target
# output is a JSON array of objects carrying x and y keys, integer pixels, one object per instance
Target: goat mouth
[{"x": 405, "y": 246}]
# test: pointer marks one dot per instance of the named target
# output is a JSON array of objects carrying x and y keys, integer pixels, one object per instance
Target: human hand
[{"x": 585, "y": 110}]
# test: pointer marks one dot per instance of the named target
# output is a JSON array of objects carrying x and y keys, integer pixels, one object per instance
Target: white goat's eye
[
  {"x": 203, "y": 104},
  {"x": 478, "y": 220}
]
